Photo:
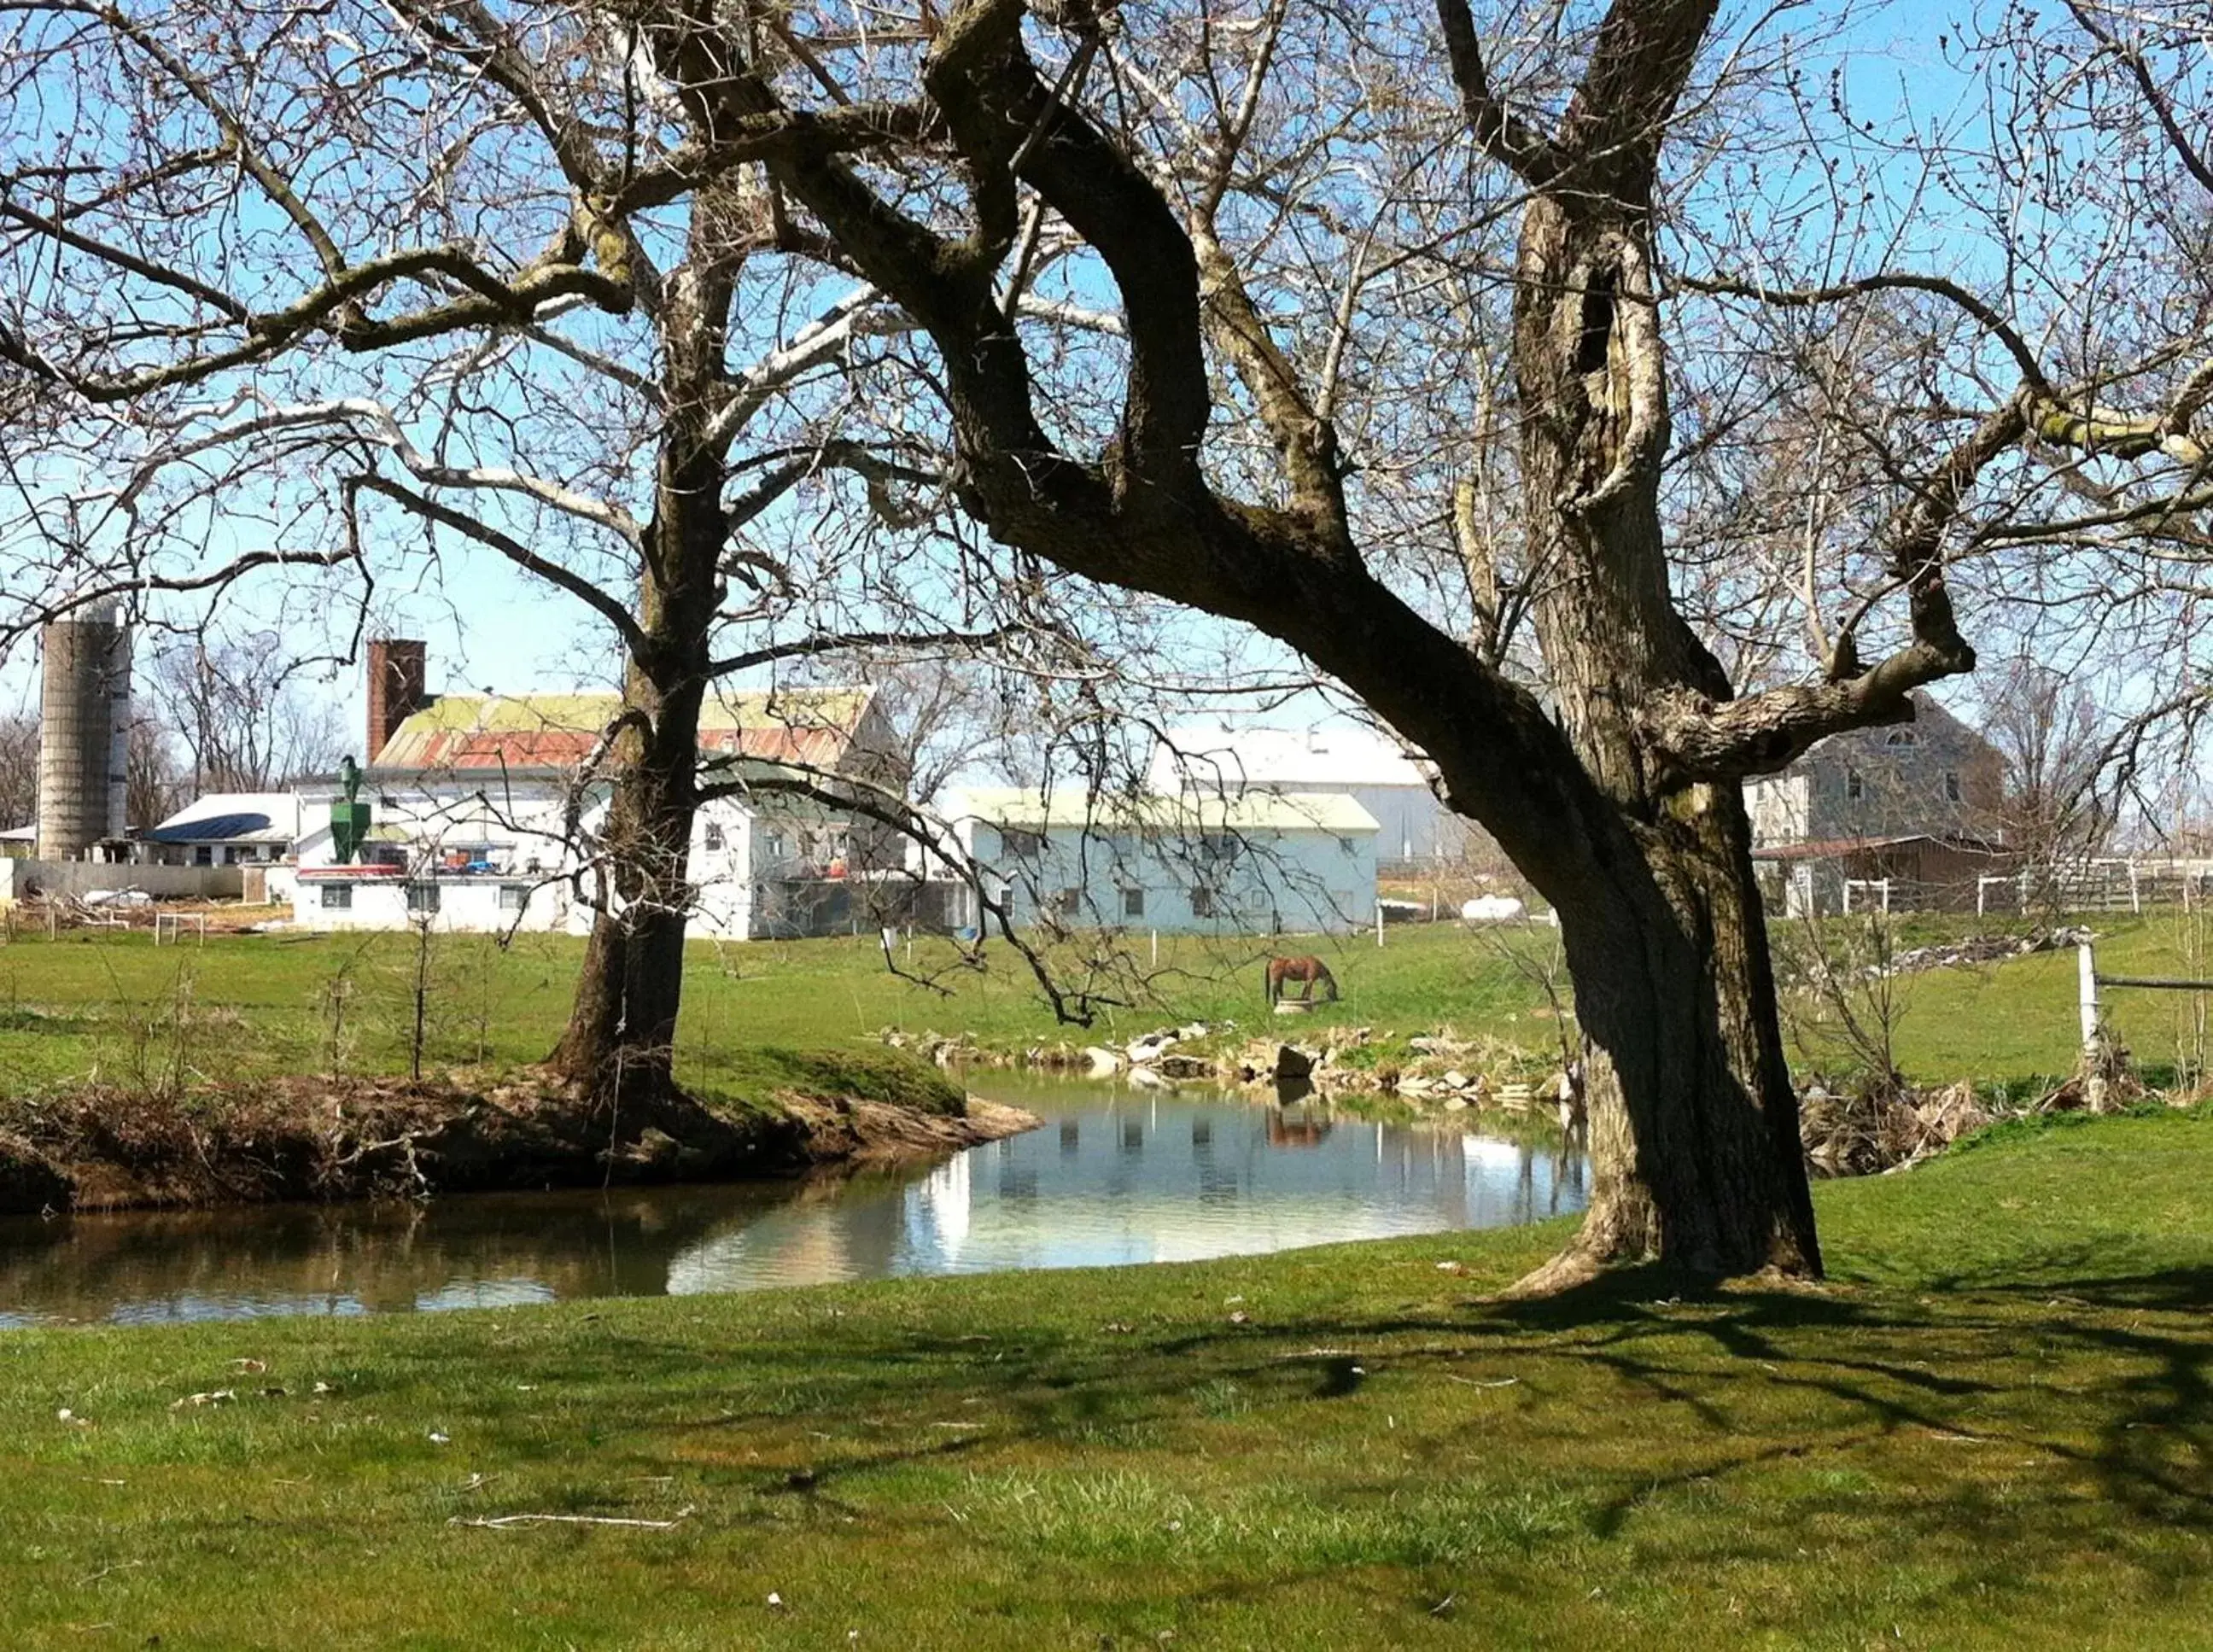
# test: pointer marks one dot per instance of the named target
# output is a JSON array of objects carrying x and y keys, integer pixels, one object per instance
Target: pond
[{"x": 1112, "y": 1176}]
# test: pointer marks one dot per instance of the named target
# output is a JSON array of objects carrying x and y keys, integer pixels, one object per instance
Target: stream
[{"x": 1112, "y": 1176}]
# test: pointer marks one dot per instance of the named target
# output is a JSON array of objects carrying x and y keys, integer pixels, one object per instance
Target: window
[
  {"x": 1020, "y": 845},
  {"x": 1854, "y": 786},
  {"x": 423, "y": 897},
  {"x": 1133, "y": 902},
  {"x": 514, "y": 897},
  {"x": 1202, "y": 901},
  {"x": 1217, "y": 848},
  {"x": 1952, "y": 793},
  {"x": 1067, "y": 902},
  {"x": 713, "y": 837},
  {"x": 337, "y": 898},
  {"x": 203, "y": 855}
]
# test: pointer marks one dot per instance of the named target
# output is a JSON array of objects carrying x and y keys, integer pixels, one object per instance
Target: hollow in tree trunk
[{"x": 1693, "y": 1120}]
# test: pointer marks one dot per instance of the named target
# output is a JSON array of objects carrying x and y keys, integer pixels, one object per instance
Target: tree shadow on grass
[
  {"x": 2110, "y": 1372},
  {"x": 1991, "y": 1437}
]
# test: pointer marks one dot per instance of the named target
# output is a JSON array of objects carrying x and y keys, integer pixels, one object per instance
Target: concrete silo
[{"x": 84, "y": 730}]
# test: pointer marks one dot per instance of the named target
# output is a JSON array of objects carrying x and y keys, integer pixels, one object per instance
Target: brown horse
[{"x": 1306, "y": 970}]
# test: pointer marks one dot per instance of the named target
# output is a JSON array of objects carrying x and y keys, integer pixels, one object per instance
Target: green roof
[{"x": 1074, "y": 808}]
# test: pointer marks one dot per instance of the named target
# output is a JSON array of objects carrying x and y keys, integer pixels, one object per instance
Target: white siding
[
  {"x": 1781, "y": 807},
  {"x": 521, "y": 837},
  {"x": 470, "y": 905}
]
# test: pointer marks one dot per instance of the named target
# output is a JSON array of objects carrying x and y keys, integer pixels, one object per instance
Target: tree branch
[
  {"x": 514, "y": 550},
  {"x": 1497, "y": 130}
]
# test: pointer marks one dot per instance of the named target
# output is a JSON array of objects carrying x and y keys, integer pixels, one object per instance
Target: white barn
[
  {"x": 1256, "y": 863},
  {"x": 1395, "y": 788}
]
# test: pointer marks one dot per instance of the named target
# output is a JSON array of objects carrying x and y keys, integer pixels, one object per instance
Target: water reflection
[{"x": 1113, "y": 1178}]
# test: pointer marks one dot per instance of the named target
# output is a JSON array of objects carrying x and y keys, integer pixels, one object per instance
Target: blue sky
[{"x": 491, "y": 626}]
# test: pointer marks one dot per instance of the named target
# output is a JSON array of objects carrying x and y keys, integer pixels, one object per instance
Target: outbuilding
[{"x": 1258, "y": 862}]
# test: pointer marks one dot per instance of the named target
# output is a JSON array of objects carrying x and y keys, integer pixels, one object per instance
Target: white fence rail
[{"x": 2088, "y": 982}]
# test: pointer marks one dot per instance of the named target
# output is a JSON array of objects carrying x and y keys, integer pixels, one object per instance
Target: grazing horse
[{"x": 1306, "y": 970}]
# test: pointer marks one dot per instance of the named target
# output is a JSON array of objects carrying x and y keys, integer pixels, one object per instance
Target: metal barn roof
[
  {"x": 1216, "y": 759},
  {"x": 811, "y": 726}
]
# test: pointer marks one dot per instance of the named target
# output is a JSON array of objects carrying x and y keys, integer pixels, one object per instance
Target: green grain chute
[{"x": 349, "y": 816}]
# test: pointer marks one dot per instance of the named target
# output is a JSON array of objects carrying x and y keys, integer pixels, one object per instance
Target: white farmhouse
[
  {"x": 1412, "y": 824},
  {"x": 480, "y": 820},
  {"x": 1909, "y": 809},
  {"x": 1254, "y": 864}
]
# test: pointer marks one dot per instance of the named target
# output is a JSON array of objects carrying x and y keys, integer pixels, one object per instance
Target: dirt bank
[{"x": 105, "y": 1149}]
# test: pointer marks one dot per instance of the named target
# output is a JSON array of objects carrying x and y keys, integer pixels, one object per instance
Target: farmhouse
[
  {"x": 1910, "y": 811},
  {"x": 1256, "y": 863},
  {"x": 484, "y": 810}
]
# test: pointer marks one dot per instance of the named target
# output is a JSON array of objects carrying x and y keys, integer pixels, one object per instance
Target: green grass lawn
[
  {"x": 114, "y": 1005},
  {"x": 1993, "y": 1429}
]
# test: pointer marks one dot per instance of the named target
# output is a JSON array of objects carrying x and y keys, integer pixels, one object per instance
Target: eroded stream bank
[{"x": 325, "y": 1140}]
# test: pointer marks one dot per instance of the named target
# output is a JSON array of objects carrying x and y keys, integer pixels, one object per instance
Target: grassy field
[
  {"x": 1993, "y": 1429},
  {"x": 113, "y": 1005}
]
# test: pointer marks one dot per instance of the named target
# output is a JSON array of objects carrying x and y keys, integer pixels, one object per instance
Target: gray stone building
[{"x": 1912, "y": 809}]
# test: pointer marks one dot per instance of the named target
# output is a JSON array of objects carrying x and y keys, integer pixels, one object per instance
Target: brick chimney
[{"x": 397, "y": 666}]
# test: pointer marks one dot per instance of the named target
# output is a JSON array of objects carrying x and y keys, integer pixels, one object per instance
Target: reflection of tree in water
[
  {"x": 381, "y": 1258},
  {"x": 1184, "y": 1173}
]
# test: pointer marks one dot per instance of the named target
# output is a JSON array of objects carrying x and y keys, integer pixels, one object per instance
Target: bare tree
[
  {"x": 19, "y": 769},
  {"x": 948, "y": 718},
  {"x": 243, "y": 713},
  {"x": 154, "y": 787},
  {"x": 1221, "y": 472},
  {"x": 2047, "y": 733},
  {"x": 542, "y": 309}
]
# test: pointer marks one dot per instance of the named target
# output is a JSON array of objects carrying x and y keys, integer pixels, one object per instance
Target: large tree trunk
[
  {"x": 1693, "y": 1124},
  {"x": 621, "y": 1036},
  {"x": 1693, "y": 1120}
]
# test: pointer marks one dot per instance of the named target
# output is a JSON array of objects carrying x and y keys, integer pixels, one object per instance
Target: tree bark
[
  {"x": 620, "y": 1039},
  {"x": 1644, "y": 853},
  {"x": 1693, "y": 1116},
  {"x": 1692, "y": 1120}
]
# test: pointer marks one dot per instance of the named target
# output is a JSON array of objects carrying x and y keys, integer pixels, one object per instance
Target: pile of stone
[
  {"x": 1954, "y": 954},
  {"x": 1154, "y": 1058},
  {"x": 1988, "y": 949}
]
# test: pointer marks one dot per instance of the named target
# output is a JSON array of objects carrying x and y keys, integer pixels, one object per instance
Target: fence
[
  {"x": 2089, "y": 981},
  {"x": 2112, "y": 884}
]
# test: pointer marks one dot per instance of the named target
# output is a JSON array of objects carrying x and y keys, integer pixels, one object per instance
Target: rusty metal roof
[{"x": 814, "y": 726}]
